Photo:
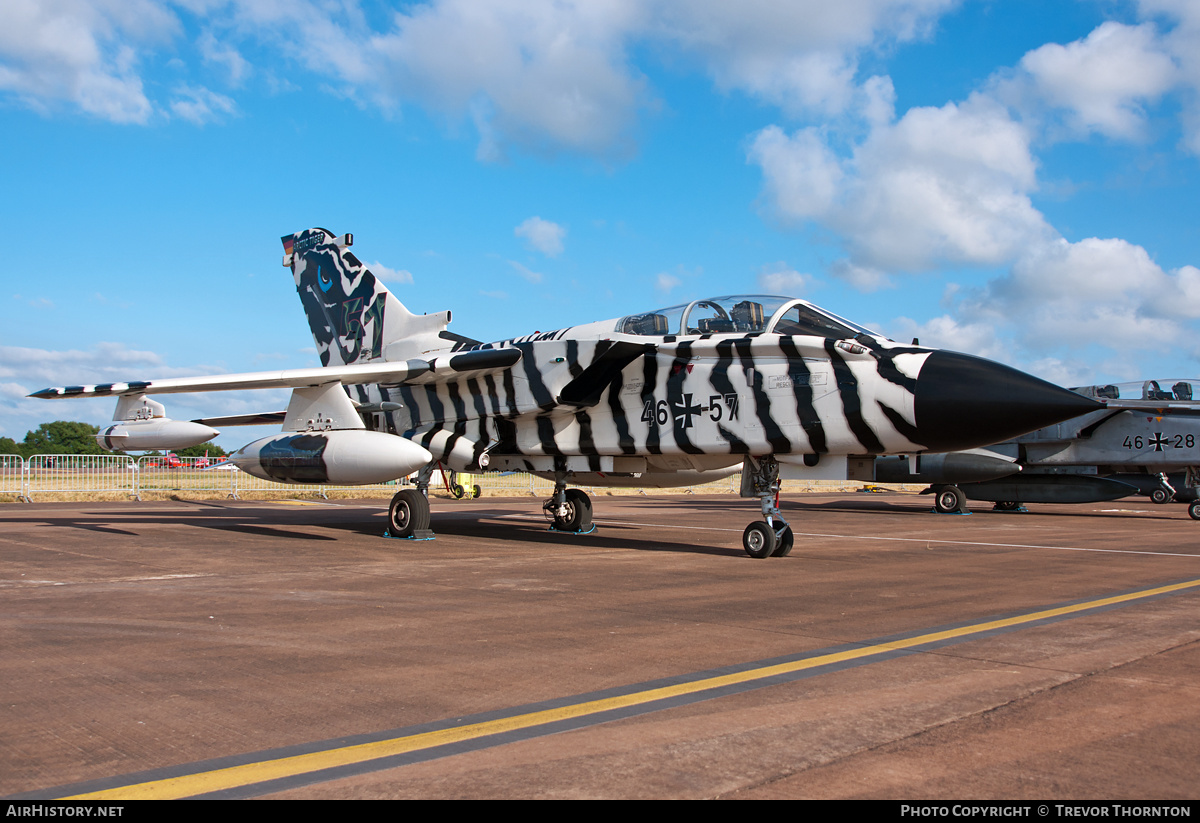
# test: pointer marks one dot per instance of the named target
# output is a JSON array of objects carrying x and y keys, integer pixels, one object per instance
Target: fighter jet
[
  {"x": 1144, "y": 441},
  {"x": 773, "y": 387}
]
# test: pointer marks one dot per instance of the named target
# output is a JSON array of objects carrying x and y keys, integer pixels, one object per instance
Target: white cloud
[
  {"x": 779, "y": 278},
  {"x": 542, "y": 235},
  {"x": 553, "y": 74},
  {"x": 528, "y": 274},
  {"x": 801, "y": 56},
  {"x": 1101, "y": 83},
  {"x": 24, "y": 370},
  {"x": 664, "y": 282},
  {"x": 560, "y": 74},
  {"x": 1094, "y": 299},
  {"x": 388, "y": 275},
  {"x": 948, "y": 332},
  {"x": 81, "y": 52},
  {"x": 1182, "y": 42},
  {"x": 199, "y": 105},
  {"x": 948, "y": 184},
  {"x": 801, "y": 175},
  {"x": 951, "y": 186},
  {"x": 941, "y": 185},
  {"x": 225, "y": 55},
  {"x": 544, "y": 74},
  {"x": 863, "y": 278}
]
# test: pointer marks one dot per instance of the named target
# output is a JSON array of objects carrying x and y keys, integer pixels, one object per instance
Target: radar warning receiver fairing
[
  {"x": 770, "y": 386},
  {"x": 1145, "y": 432}
]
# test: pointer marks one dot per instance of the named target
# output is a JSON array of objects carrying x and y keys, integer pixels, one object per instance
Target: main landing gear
[
  {"x": 949, "y": 499},
  {"x": 408, "y": 516},
  {"x": 569, "y": 510},
  {"x": 771, "y": 536},
  {"x": 1165, "y": 492},
  {"x": 1191, "y": 480},
  {"x": 408, "y": 513}
]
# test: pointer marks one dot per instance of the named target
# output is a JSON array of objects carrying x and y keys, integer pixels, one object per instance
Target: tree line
[{"x": 69, "y": 437}]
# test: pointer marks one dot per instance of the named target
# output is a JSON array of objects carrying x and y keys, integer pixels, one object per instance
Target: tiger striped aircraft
[{"x": 771, "y": 387}]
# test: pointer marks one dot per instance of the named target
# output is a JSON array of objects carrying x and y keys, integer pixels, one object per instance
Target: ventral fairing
[{"x": 771, "y": 387}]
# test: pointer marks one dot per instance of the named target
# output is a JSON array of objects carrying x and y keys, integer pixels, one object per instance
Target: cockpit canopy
[
  {"x": 1172, "y": 389},
  {"x": 741, "y": 314}
]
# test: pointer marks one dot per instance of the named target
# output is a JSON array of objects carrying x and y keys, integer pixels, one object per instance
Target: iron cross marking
[
  {"x": 1158, "y": 441},
  {"x": 685, "y": 411}
]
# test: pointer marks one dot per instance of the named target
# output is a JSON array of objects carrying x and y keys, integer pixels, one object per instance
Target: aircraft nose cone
[{"x": 963, "y": 402}]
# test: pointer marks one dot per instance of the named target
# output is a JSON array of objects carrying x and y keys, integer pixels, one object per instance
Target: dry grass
[{"x": 372, "y": 493}]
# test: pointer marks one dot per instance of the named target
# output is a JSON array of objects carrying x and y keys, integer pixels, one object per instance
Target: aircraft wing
[{"x": 448, "y": 367}]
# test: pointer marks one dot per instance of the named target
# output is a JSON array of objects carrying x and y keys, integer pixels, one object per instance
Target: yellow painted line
[{"x": 247, "y": 774}]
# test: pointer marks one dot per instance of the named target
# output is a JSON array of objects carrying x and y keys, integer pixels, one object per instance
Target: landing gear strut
[
  {"x": 570, "y": 510},
  {"x": 771, "y": 536}
]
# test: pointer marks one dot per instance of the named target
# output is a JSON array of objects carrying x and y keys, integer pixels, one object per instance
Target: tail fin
[{"x": 352, "y": 315}]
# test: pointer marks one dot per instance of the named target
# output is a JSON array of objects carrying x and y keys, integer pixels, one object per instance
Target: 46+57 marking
[{"x": 660, "y": 413}]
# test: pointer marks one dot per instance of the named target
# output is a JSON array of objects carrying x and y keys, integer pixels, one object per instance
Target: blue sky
[{"x": 1011, "y": 179}]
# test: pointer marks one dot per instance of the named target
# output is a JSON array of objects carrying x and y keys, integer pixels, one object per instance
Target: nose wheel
[
  {"x": 762, "y": 539},
  {"x": 569, "y": 510},
  {"x": 771, "y": 536}
]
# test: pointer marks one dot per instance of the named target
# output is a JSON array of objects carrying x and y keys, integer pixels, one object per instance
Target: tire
[
  {"x": 948, "y": 499},
  {"x": 1008, "y": 506},
  {"x": 476, "y": 492},
  {"x": 783, "y": 542},
  {"x": 1194, "y": 510},
  {"x": 1160, "y": 495},
  {"x": 408, "y": 513},
  {"x": 579, "y": 513},
  {"x": 458, "y": 491},
  {"x": 759, "y": 540}
]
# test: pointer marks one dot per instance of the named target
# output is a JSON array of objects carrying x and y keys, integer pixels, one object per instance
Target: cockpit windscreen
[{"x": 742, "y": 314}]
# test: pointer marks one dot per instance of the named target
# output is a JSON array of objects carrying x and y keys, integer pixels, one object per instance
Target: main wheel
[
  {"x": 579, "y": 512},
  {"x": 948, "y": 499},
  {"x": 1161, "y": 495},
  {"x": 1008, "y": 506},
  {"x": 1194, "y": 510},
  {"x": 759, "y": 540},
  {"x": 783, "y": 542},
  {"x": 408, "y": 513}
]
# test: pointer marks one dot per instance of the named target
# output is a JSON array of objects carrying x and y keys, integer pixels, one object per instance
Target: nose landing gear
[
  {"x": 570, "y": 510},
  {"x": 771, "y": 536}
]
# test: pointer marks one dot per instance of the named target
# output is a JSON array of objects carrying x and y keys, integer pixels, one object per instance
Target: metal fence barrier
[
  {"x": 48, "y": 474},
  {"x": 12, "y": 476},
  {"x": 81, "y": 474},
  {"x": 167, "y": 473}
]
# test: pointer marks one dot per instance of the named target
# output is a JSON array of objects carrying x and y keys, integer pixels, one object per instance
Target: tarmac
[{"x": 286, "y": 649}]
